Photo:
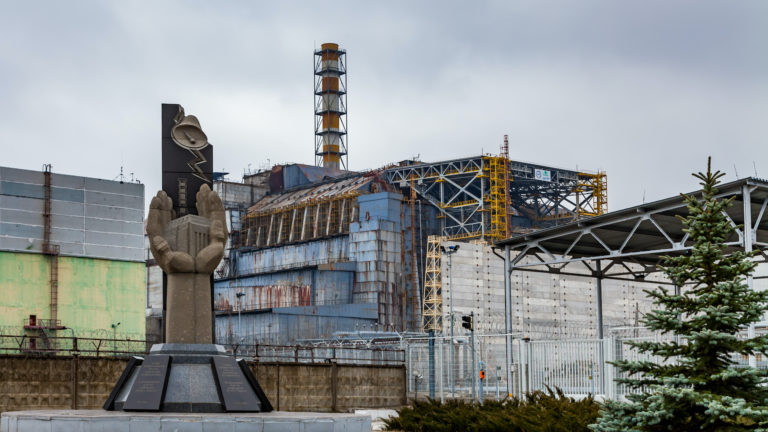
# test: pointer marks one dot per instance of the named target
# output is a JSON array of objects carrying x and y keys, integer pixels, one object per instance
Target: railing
[{"x": 41, "y": 323}]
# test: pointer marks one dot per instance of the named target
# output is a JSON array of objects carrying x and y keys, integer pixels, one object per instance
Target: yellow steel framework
[
  {"x": 497, "y": 197},
  {"x": 432, "y": 309},
  {"x": 486, "y": 197},
  {"x": 598, "y": 185}
]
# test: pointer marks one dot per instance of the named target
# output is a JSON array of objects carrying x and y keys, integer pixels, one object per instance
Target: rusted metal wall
[
  {"x": 28, "y": 383},
  {"x": 263, "y": 297},
  {"x": 296, "y": 256},
  {"x": 288, "y": 325},
  {"x": 284, "y": 289},
  {"x": 375, "y": 244}
]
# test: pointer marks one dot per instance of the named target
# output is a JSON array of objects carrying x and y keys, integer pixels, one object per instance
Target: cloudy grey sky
[{"x": 644, "y": 90}]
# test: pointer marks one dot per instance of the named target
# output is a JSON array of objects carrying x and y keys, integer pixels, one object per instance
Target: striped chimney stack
[{"x": 331, "y": 107}]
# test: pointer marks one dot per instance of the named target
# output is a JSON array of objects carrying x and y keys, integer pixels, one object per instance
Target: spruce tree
[{"x": 699, "y": 386}]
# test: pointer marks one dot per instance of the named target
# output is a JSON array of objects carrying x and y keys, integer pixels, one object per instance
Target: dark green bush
[{"x": 549, "y": 411}]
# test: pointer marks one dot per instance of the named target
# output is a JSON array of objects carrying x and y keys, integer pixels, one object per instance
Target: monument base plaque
[{"x": 192, "y": 378}]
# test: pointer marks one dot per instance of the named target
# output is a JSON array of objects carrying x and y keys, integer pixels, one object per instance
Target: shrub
[{"x": 549, "y": 411}]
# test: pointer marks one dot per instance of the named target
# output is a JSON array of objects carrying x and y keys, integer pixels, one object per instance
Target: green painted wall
[{"x": 93, "y": 293}]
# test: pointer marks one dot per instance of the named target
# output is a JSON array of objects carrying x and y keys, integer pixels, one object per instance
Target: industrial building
[
  {"x": 320, "y": 251},
  {"x": 71, "y": 256}
]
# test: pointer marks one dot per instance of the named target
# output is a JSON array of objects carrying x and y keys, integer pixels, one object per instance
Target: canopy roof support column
[
  {"x": 508, "y": 317},
  {"x": 599, "y": 278}
]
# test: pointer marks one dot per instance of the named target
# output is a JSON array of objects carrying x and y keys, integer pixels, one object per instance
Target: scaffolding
[
  {"x": 497, "y": 198},
  {"x": 593, "y": 188},
  {"x": 490, "y": 197},
  {"x": 432, "y": 308},
  {"x": 309, "y": 220}
]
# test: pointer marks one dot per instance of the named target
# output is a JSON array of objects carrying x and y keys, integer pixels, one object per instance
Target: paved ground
[
  {"x": 118, "y": 421},
  {"x": 377, "y": 416}
]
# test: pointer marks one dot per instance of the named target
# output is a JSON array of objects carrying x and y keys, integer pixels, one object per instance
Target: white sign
[{"x": 543, "y": 175}]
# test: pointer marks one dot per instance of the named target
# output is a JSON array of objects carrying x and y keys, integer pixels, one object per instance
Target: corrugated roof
[{"x": 320, "y": 191}]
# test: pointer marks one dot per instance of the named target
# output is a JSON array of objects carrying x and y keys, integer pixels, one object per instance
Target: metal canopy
[
  {"x": 629, "y": 244},
  {"x": 635, "y": 239}
]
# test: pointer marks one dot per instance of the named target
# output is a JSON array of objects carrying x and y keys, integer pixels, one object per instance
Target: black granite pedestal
[{"x": 192, "y": 378}]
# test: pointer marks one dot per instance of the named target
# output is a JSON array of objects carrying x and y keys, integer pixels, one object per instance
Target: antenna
[
  {"x": 735, "y": 171},
  {"x": 643, "y": 196},
  {"x": 755, "y": 167},
  {"x": 120, "y": 176}
]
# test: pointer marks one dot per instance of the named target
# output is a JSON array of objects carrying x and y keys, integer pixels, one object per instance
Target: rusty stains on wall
[{"x": 251, "y": 298}]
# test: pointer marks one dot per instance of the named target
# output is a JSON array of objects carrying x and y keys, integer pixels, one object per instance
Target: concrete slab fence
[{"x": 35, "y": 383}]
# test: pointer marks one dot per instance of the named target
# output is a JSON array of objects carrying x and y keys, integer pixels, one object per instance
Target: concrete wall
[
  {"x": 28, "y": 383},
  {"x": 544, "y": 305},
  {"x": 89, "y": 217},
  {"x": 92, "y": 293},
  {"x": 233, "y": 193}
]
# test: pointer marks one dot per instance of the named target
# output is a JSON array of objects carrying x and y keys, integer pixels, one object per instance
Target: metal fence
[
  {"x": 38, "y": 345},
  {"x": 43, "y": 344},
  {"x": 576, "y": 366},
  {"x": 336, "y": 353}
]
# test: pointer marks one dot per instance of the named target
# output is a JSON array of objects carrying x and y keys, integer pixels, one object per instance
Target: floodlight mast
[{"x": 450, "y": 250}]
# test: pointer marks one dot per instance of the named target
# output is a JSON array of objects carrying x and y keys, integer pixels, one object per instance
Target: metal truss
[
  {"x": 432, "y": 308},
  {"x": 462, "y": 190},
  {"x": 633, "y": 242}
]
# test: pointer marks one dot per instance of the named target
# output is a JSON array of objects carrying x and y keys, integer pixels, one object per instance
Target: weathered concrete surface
[
  {"x": 29, "y": 383},
  {"x": 71, "y": 420},
  {"x": 188, "y": 249}
]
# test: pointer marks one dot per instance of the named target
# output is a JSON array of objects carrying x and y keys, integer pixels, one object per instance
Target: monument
[
  {"x": 187, "y": 235},
  {"x": 188, "y": 378}
]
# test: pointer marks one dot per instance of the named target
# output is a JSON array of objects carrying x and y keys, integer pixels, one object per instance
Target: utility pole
[
  {"x": 114, "y": 338},
  {"x": 432, "y": 364},
  {"x": 240, "y": 296},
  {"x": 450, "y": 251},
  {"x": 482, "y": 381},
  {"x": 468, "y": 322}
]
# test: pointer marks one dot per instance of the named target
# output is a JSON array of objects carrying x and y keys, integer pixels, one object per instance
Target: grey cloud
[{"x": 645, "y": 90}]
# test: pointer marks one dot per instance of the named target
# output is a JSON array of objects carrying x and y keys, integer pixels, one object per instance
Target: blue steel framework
[{"x": 539, "y": 196}]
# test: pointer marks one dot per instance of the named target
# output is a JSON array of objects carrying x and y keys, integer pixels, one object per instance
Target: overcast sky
[{"x": 644, "y": 90}]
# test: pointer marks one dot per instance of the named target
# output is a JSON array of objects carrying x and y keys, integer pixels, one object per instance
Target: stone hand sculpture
[{"x": 189, "y": 316}]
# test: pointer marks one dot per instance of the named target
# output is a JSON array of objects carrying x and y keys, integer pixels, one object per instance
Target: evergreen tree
[{"x": 699, "y": 386}]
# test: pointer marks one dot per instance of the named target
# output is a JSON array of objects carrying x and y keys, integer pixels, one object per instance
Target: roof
[
  {"x": 322, "y": 191},
  {"x": 644, "y": 233}
]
